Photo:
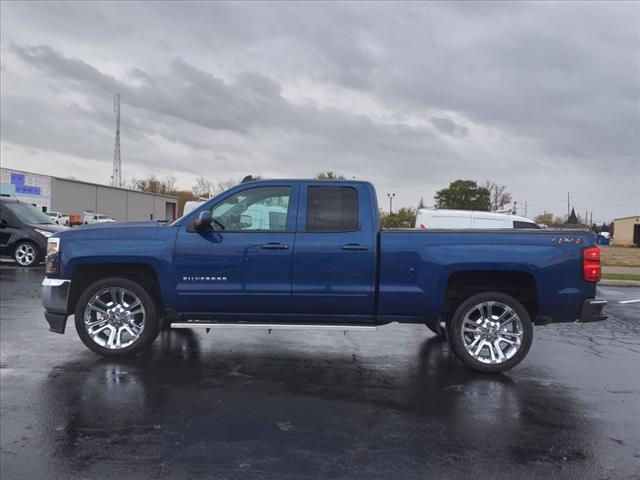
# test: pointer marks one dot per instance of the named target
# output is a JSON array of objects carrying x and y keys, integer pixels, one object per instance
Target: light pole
[{"x": 391, "y": 195}]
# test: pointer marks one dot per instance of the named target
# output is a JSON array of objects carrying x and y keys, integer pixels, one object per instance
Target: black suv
[{"x": 24, "y": 231}]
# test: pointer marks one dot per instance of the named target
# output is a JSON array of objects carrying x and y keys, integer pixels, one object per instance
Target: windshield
[{"x": 28, "y": 213}]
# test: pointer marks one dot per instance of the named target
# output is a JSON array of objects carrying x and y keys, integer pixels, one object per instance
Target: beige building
[
  {"x": 72, "y": 197},
  {"x": 626, "y": 231}
]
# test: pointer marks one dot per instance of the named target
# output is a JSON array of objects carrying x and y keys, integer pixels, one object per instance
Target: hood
[
  {"x": 117, "y": 231},
  {"x": 49, "y": 227},
  {"x": 112, "y": 224}
]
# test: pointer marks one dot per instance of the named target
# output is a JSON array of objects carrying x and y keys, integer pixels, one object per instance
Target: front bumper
[
  {"x": 55, "y": 299},
  {"x": 592, "y": 311}
]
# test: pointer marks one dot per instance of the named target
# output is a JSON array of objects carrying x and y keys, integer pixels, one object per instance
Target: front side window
[
  {"x": 332, "y": 209},
  {"x": 262, "y": 208}
]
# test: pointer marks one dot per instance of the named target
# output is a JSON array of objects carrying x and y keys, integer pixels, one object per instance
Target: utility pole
[
  {"x": 116, "y": 177},
  {"x": 391, "y": 195},
  {"x": 591, "y": 221},
  {"x": 525, "y": 208},
  {"x": 515, "y": 207},
  {"x": 568, "y": 207}
]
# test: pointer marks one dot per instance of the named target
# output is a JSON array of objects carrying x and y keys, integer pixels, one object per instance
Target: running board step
[{"x": 274, "y": 326}]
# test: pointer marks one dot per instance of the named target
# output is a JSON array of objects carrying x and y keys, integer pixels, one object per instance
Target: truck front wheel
[
  {"x": 491, "y": 332},
  {"x": 116, "y": 317}
]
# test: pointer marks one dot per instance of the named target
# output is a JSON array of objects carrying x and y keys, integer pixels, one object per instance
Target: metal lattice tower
[{"x": 116, "y": 177}]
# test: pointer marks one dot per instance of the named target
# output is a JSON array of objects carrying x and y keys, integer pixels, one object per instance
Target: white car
[
  {"x": 100, "y": 218},
  {"x": 427, "y": 219},
  {"x": 58, "y": 218}
]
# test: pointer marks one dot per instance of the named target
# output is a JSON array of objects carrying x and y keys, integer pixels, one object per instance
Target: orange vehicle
[{"x": 75, "y": 220}]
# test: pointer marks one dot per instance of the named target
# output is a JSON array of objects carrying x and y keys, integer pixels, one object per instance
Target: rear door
[{"x": 335, "y": 251}]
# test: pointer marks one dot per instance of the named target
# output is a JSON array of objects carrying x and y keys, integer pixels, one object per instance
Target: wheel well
[
  {"x": 86, "y": 274},
  {"x": 519, "y": 285}
]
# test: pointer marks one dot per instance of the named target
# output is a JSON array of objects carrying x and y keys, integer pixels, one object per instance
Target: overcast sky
[{"x": 543, "y": 98}]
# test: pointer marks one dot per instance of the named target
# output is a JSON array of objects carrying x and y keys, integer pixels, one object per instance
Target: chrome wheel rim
[
  {"x": 25, "y": 254},
  {"x": 492, "y": 332},
  {"x": 114, "y": 318}
]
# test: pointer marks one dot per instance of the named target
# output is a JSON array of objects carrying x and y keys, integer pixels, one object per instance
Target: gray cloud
[{"x": 544, "y": 98}]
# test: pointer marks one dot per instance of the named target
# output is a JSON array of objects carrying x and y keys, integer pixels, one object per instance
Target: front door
[{"x": 244, "y": 264}]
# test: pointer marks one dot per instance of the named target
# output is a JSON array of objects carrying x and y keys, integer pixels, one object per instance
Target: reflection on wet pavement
[{"x": 391, "y": 404}]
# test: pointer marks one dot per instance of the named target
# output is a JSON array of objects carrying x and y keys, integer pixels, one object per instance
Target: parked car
[
  {"x": 99, "y": 218},
  {"x": 87, "y": 215},
  {"x": 326, "y": 265},
  {"x": 428, "y": 219},
  {"x": 603, "y": 238},
  {"x": 58, "y": 218},
  {"x": 24, "y": 230}
]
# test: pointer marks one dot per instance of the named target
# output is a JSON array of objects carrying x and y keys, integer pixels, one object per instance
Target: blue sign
[{"x": 19, "y": 181}]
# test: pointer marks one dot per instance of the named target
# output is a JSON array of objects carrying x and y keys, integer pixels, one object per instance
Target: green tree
[
  {"x": 464, "y": 195},
  {"x": 403, "y": 218},
  {"x": 573, "y": 218}
]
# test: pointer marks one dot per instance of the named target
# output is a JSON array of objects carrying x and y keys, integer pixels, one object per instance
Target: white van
[
  {"x": 191, "y": 205},
  {"x": 427, "y": 219}
]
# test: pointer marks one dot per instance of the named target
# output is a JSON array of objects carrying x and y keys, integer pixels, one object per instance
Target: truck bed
[{"x": 418, "y": 266}]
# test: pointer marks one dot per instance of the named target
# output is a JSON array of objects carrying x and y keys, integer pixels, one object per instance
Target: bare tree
[
  {"x": 206, "y": 188},
  {"x": 153, "y": 184},
  {"x": 329, "y": 175},
  {"x": 203, "y": 187},
  {"x": 499, "y": 195},
  {"x": 226, "y": 185}
]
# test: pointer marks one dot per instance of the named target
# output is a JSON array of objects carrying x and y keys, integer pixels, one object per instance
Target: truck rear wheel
[
  {"x": 491, "y": 332},
  {"x": 116, "y": 317}
]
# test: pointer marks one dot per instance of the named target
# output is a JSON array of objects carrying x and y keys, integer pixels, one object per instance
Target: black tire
[
  {"x": 456, "y": 338},
  {"x": 20, "y": 256},
  {"x": 152, "y": 321}
]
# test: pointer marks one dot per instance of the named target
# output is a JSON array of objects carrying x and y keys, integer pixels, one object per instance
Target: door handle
[
  {"x": 275, "y": 246},
  {"x": 354, "y": 246}
]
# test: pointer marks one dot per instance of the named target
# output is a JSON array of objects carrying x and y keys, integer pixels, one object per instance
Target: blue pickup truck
[{"x": 321, "y": 261}]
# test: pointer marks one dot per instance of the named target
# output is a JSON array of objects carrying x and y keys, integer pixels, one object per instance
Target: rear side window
[
  {"x": 332, "y": 209},
  {"x": 517, "y": 224}
]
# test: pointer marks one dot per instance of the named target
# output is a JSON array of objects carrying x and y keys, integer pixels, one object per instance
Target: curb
[{"x": 619, "y": 283}]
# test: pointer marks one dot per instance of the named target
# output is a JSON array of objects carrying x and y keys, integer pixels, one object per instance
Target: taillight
[
  {"x": 591, "y": 264},
  {"x": 422, "y": 227}
]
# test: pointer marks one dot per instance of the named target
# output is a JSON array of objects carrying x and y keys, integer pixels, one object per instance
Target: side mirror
[{"x": 203, "y": 221}]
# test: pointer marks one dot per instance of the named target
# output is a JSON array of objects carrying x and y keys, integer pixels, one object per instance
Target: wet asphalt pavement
[{"x": 394, "y": 404}]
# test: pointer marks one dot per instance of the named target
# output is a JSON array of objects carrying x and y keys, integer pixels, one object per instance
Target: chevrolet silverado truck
[{"x": 317, "y": 258}]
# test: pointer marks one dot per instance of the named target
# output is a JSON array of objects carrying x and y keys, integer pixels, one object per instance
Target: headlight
[
  {"x": 52, "y": 258},
  {"x": 46, "y": 233},
  {"x": 53, "y": 244}
]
